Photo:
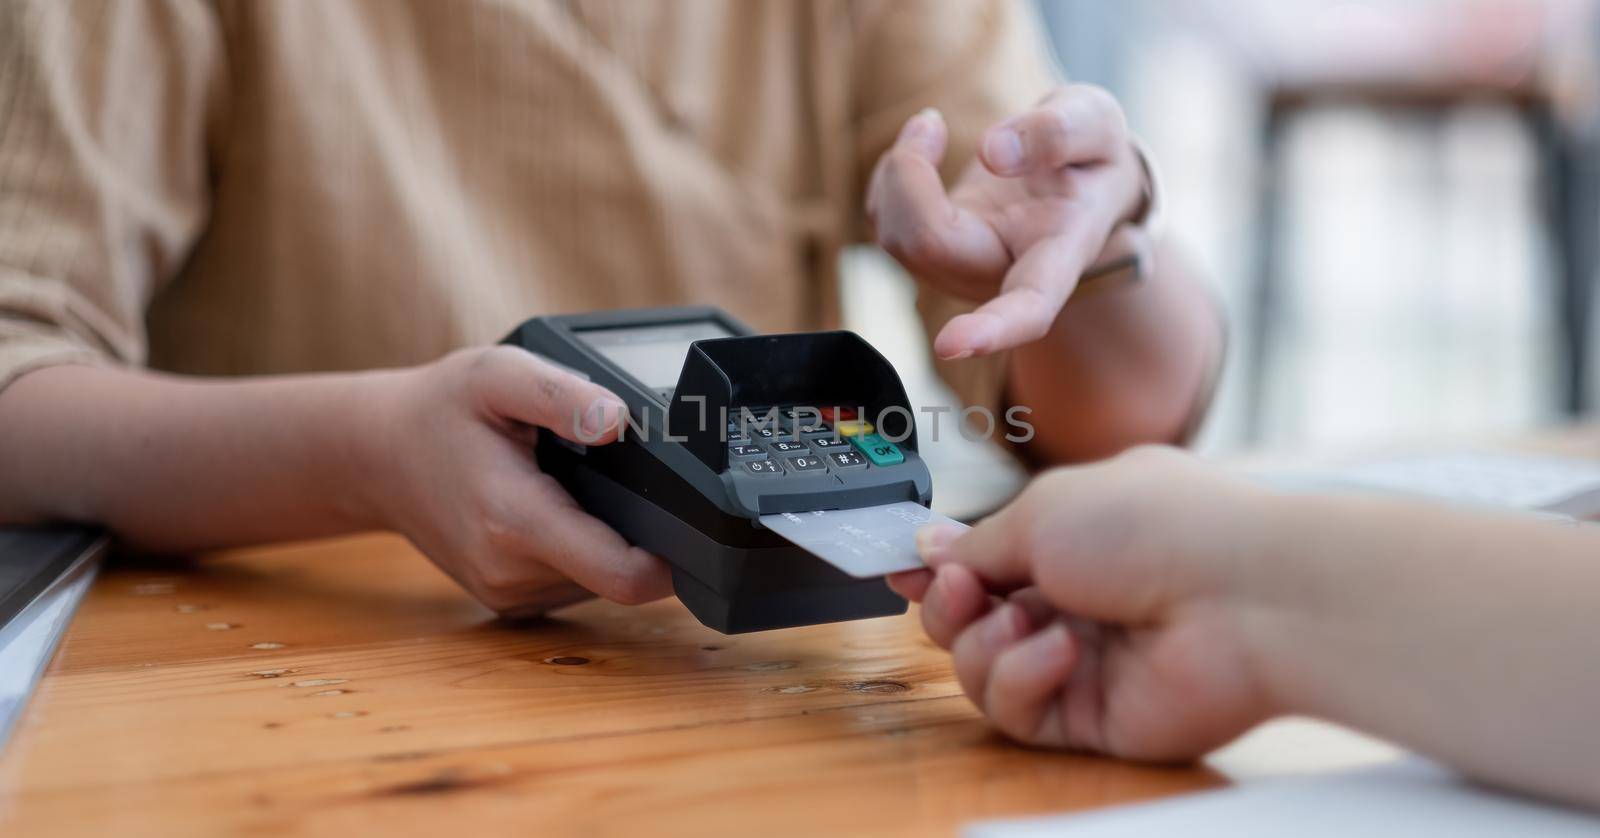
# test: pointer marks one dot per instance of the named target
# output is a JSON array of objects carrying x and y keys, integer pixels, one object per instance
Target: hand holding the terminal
[
  {"x": 470, "y": 494},
  {"x": 442, "y": 453},
  {"x": 1023, "y": 222}
]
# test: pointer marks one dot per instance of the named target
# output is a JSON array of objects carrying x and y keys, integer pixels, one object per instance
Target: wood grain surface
[{"x": 347, "y": 687}]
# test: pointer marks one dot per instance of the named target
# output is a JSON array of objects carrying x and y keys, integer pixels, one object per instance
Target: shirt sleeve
[
  {"x": 105, "y": 109},
  {"x": 977, "y": 61}
]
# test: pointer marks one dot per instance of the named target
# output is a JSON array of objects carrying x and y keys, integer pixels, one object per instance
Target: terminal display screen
[{"x": 652, "y": 354}]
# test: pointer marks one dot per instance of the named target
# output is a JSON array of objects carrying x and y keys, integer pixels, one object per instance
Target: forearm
[
  {"x": 172, "y": 464},
  {"x": 1123, "y": 365},
  {"x": 1467, "y": 636}
]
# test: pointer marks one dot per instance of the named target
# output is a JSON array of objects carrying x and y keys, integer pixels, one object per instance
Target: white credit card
[{"x": 865, "y": 542}]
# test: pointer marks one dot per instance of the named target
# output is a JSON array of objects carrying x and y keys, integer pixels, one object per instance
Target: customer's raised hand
[
  {"x": 462, "y": 483},
  {"x": 1103, "y": 610},
  {"x": 1023, "y": 222}
]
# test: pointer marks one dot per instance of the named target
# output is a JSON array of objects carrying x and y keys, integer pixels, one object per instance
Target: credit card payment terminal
[{"x": 725, "y": 426}]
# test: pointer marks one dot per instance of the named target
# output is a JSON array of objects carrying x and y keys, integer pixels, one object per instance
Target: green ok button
[{"x": 880, "y": 451}]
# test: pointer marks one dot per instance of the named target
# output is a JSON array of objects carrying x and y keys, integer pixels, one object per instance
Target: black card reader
[{"x": 726, "y": 425}]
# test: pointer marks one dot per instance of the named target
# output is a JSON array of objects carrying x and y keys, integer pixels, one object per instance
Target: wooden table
[{"x": 347, "y": 687}]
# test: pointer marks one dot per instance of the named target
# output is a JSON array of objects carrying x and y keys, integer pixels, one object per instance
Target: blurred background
[{"x": 1394, "y": 200}]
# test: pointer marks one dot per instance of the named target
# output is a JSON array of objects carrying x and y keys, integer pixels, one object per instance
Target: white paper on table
[
  {"x": 27, "y": 642},
  {"x": 1410, "y": 799},
  {"x": 1511, "y": 481}
]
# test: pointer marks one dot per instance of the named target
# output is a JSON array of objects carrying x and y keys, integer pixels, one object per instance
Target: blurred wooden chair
[{"x": 1426, "y": 59}]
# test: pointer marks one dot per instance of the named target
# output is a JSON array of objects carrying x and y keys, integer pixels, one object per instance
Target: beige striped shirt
[{"x": 275, "y": 186}]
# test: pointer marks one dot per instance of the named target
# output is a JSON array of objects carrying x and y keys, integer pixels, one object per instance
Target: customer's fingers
[
  {"x": 912, "y": 584},
  {"x": 995, "y": 550},
  {"x": 1033, "y": 603},
  {"x": 954, "y": 601},
  {"x": 1023, "y": 689},
  {"x": 1089, "y": 538},
  {"x": 979, "y": 644}
]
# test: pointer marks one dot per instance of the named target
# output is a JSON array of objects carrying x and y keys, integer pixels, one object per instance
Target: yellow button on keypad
[{"x": 854, "y": 427}]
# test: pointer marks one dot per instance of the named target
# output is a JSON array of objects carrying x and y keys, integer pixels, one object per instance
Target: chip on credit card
[{"x": 865, "y": 542}]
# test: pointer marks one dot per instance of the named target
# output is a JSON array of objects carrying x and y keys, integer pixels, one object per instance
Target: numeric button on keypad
[
  {"x": 763, "y": 467},
  {"x": 790, "y": 448},
  {"x": 745, "y": 452},
  {"x": 829, "y": 444},
  {"x": 848, "y": 459},
  {"x": 807, "y": 463}
]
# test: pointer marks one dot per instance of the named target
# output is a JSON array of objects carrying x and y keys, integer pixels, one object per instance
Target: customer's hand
[
  {"x": 1106, "y": 608},
  {"x": 1023, "y": 222},
  {"x": 458, "y": 477}
]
